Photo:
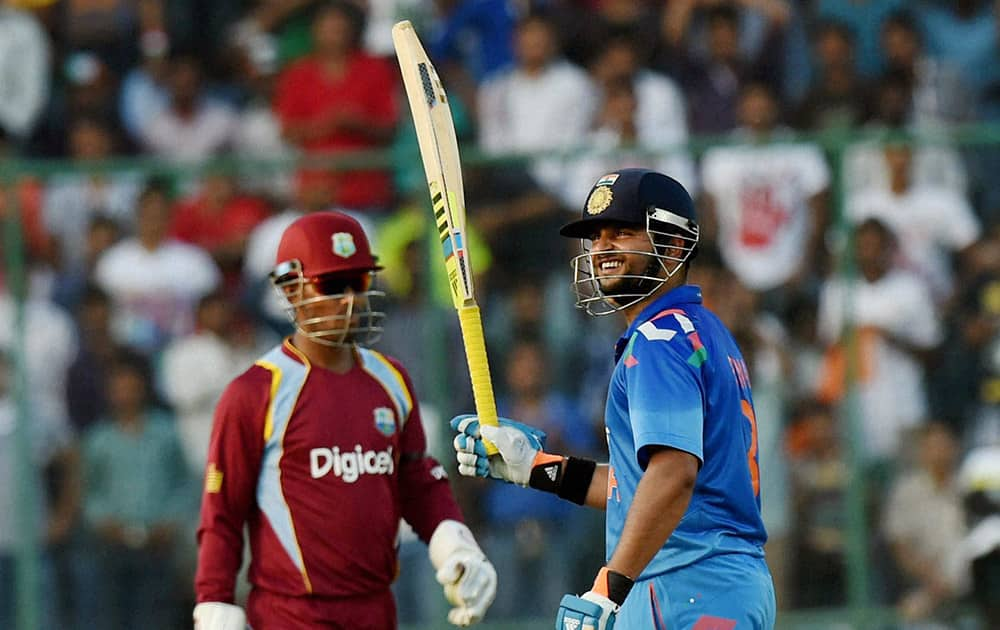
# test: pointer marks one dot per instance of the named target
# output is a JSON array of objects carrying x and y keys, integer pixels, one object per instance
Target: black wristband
[
  {"x": 618, "y": 585},
  {"x": 567, "y": 477},
  {"x": 577, "y": 475}
]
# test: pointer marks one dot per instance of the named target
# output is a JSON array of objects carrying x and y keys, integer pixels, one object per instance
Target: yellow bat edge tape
[{"x": 479, "y": 368}]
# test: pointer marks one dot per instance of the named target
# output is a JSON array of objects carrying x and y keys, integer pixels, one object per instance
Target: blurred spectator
[
  {"x": 932, "y": 223},
  {"x": 85, "y": 88},
  {"x": 382, "y": 15},
  {"x": 108, "y": 28},
  {"x": 934, "y": 164},
  {"x": 50, "y": 446},
  {"x": 25, "y": 60},
  {"x": 340, "y": 99},
  {"x": 196, "y": 369},
  {"x": 72, "y": 200},
  {"x": 50, "y": 345},
  {"x": 767, "y": 201},
  {"x": 660, "y": 114},
  {"x": 194, "y": 126},
  {"x": 258, "y": 130},
  {"x": 85, "y": 391},
  {"x": 977, "y": 560},
  {"x": 219, "y": 219},
  {"x": 543, "y": 103},
  {"x": 136, "y": 488},
  {"x": 153, "y": 280},
  {"x": 939, "y": 96},
  {"x": 617, "y": 142},
  {"x": 837, "y": 98},
  {"x": 963, "y": 35},
  {"x": 585, "y": 33},
  {"x": 865, "y": 19},
  {"x": 714, "y": 75},
  {"x": 966, "y": 377},
  {"x": 879, "y": 328},
  {"x": 533, "y": 535},
  {"x": 819, "y": 476},
  {"x": 145, "y": 93},
  {"x": 26, "y": 193},
  {"x": 71, "y": 284},
  {"x": 474, "y": 35},
  {"x": 924, "y": 524}
]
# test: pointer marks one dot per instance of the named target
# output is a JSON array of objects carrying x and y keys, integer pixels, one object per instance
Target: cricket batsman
[
  {"x": 318, "y": 449},
  {"x": 684, "y": 536}
]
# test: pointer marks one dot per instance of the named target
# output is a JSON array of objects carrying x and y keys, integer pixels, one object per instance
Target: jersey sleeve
[
  {"x": 665, "y": 388},
  {"x": 234, "y": 458},
  {"x": 425, "y": 495}
]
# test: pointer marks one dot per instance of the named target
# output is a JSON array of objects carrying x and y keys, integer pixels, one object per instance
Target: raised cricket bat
[{"x": 439, "y": 152}]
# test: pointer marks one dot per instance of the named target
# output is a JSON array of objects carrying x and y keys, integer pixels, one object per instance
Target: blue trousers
[{"x": 726, "y": 592}]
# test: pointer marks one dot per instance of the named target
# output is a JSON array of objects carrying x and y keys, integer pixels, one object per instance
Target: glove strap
[
  {"x": 567, "y": 477},
  {"x": 613, "y": 585}
]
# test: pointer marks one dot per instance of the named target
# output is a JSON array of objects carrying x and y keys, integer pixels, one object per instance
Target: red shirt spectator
[
  {"x": 218, "y": 219},
  {"x": 340, "y": 99}
]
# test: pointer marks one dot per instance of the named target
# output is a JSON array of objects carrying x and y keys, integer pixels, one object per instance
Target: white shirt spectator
[
  {"x": 210, "y": 130},
  {"x": 547, "y": 112},
  {"x": 196, "y": 370},
  {"x": 893, "y": 398},
  {"x": 71, "y": 201},
  {"x": 24, "y": 67},
  {"x": 661, "y": 116},
  {"x": 155, "y": 292},
  {"x": 258, "y": 136},
  {"x": 865, "y": 168},
  {"x": 50, "y": 346},
  {"x": 762, "y": 198},
  {"x": 930, "y": 224}
]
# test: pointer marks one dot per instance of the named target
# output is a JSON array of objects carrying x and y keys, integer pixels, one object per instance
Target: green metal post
[{"x": 852, "y": 435}]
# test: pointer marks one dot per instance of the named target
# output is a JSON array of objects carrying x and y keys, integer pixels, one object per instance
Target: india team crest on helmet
[
  {"x": 343, "y": 244},
  {"x": 385, "y": 421},
  {"x": 599, "y": 200}
]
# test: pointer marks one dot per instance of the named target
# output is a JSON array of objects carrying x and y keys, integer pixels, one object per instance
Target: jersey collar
[{"x": 678, "y": 296}]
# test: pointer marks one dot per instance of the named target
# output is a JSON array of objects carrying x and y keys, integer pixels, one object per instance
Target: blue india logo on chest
[{"x": 385, "y": 421}]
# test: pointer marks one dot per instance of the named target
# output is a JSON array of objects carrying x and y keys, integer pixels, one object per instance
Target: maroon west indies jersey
[{"x": 321, "y": 466}]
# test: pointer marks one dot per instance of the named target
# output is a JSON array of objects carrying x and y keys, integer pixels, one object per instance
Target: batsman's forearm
[
  {"x": 597, "y": 494},
  {"x": 660, "y": 501}
]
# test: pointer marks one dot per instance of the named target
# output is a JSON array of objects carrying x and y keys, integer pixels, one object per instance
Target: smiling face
[{"x": 623, "y": 262}]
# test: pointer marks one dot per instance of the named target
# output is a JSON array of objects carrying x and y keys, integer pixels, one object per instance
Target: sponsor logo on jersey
[
  {"x": 350, "y": 465},
  {"x": 343, "y": 244},
  {"x": 385, "y": 421}
]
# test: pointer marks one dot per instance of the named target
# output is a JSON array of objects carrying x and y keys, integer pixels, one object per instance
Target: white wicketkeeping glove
[
  {"x": 219, "y": 616},
  {"x": 518, "y": 444},
  {"x": 469, "y": 580}
]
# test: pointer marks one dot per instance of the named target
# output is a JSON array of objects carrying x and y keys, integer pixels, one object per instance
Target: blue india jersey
[{"x": 680, "y": 381}]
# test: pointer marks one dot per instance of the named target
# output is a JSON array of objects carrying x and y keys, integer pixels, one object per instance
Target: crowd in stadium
[{"x": 148, "y": 285}]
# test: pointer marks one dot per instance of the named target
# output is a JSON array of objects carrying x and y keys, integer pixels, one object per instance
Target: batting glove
[
  {"x": 518, "y": 445},
  {"x": 469, "y": 580},
  {"x": 596, "y": 609},
  {"x": 219, "y": 616}
]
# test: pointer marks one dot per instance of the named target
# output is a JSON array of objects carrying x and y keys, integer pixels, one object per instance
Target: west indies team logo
[
  {"x": 343, "y": 244},
  {"x": 385, "y": 421}
]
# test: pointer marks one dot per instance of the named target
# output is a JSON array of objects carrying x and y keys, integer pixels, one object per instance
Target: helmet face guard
[
  {"x": 358, "y": 324},
  {"x": 663, "y": 228}
]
